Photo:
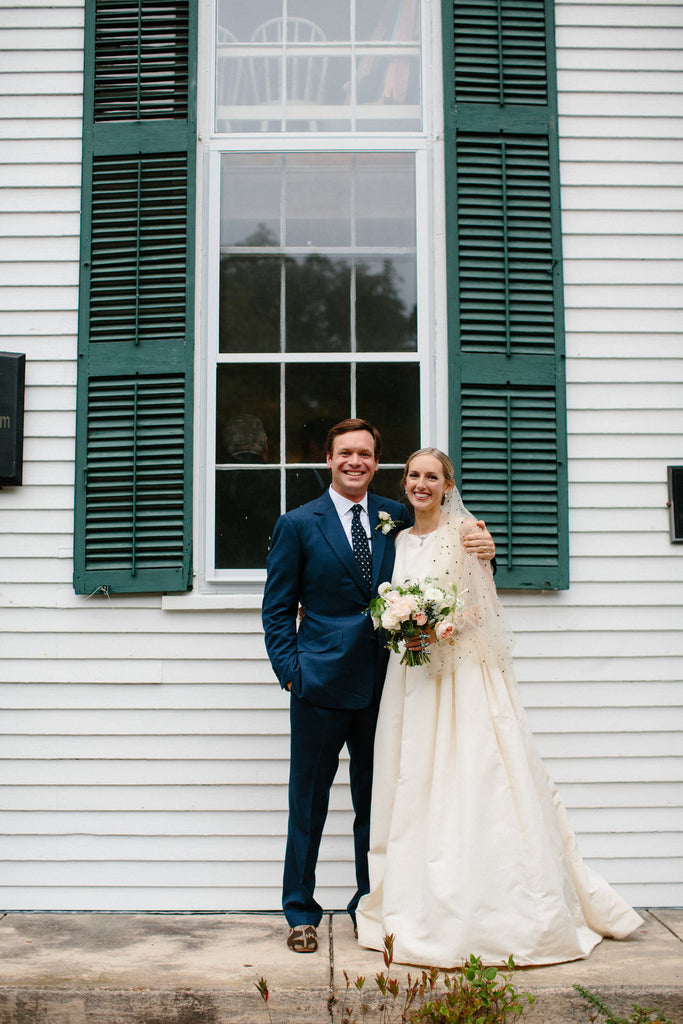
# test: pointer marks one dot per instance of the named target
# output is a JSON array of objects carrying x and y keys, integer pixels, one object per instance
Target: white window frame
[{"x": 432, "y": 353}]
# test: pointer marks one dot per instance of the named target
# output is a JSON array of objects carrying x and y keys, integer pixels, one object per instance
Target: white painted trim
[
  {"x": 198, "y": 602},
  {"x": 427, "y": 146}
]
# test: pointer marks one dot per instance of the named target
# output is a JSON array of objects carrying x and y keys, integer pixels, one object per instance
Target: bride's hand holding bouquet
[{"x": 414, "y": 613}]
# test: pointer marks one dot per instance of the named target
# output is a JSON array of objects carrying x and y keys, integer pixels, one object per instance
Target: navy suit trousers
[{"x": 319, "y": 735}]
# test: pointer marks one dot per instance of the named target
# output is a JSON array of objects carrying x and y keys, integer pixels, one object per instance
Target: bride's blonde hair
[{"x": 446, "y": 464}]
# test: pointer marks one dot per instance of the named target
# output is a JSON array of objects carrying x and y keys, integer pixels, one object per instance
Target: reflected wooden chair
[
  {"x": 229, "y": 75},
  {"x": 305, "y": 72}
]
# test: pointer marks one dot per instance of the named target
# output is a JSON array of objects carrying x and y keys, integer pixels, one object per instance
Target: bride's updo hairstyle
[{"x": 446, "y": 464}]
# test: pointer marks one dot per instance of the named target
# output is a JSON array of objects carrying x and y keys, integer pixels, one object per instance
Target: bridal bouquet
[{"x": 403, "y": 611}]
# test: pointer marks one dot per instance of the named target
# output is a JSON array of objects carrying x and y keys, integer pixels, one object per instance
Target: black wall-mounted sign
[
  {"x": 675, "y": 474},
  {"x": 11, "y": 416}
]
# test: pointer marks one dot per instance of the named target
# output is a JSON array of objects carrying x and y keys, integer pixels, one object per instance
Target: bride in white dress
[{"x": 470, "y": 847}]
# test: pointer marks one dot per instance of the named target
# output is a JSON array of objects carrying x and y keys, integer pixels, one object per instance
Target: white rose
[
  {"x": 433, "y": 595},
  {"x": 390, "y": 621}
]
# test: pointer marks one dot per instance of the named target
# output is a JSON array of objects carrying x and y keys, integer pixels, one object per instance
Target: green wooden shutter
[
  {"x": 134, "y": 416},
  {"x": 506, "y": 330}
]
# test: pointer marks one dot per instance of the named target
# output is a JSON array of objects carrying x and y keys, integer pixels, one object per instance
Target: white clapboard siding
[
  {"x": 144, "y": 750},
  {"x": 621, "y": 155}
]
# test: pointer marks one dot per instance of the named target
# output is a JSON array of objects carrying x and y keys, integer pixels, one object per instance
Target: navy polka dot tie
[{"x": 361, "y": 548}]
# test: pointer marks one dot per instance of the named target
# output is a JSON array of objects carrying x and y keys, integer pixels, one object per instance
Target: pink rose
[
  {"x": 420, "y": 619},
  {"x": 444, "y": 630},
  {"x": 404, "y": 607}
]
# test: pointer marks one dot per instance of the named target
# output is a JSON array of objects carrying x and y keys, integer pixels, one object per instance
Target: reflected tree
[{"x": 319, "y": 301}]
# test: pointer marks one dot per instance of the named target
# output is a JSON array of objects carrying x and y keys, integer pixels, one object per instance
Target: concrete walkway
[{"x": 203, "y": 969}]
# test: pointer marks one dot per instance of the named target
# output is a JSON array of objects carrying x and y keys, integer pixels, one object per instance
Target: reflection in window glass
[
  {"x": 318, "y": 275},
  {"x": 323, "y": 200},
  {"x": 247, "y": 505},
  {"x": 387, "y": 482},
  {"x": 250, "y": 199},
  {"x": 250, "y": 304},
  {"x": 341, "y": 296},
  {"x": 317, "y": 397},
  {"x": 386, "y": 305},
  {"x": 246, "y": 19},
  {"x": 388, "y": 394},
  {"x": 387, "y": 20},
  {"x": 247, "y": 391},
  {"x": 315, "y": 65},
  {"x": 384, "y": 200},
  {"x": 388, "y": 88},
  {"x": 305, "y": 485},
  {"x": 318, "y": 305},
  {"x": 317, "y": 199}
]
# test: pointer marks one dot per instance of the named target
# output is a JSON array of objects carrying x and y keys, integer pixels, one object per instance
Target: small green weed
[
  {"x": 479, "y": 995},
  {"x": 262, "y": 986},
  {"x": 475, "y": 995},
  {"x": 639, "y": 1016}
]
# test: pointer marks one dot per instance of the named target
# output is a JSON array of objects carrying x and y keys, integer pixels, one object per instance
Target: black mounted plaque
[
  {"x": 11, "y": 416},
  {"x": 675, "y": 474}
]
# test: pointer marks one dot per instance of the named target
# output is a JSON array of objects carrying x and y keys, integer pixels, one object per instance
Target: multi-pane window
[
  {"x": 318, "y": 277},
  {"x": 314, "y": 65},
  {"x": 318, "y": 321}
]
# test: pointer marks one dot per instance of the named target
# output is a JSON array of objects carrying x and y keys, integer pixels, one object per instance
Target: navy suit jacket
[{"x": 336, "y": 659}]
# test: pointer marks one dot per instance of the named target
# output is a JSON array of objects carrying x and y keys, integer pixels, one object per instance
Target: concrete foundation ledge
[{"x": 204, "y": 968}]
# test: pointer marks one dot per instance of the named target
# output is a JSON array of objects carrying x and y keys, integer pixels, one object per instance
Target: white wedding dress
[{"x": 470, "y": 847}]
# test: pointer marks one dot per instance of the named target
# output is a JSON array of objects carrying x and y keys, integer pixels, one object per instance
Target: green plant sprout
[
  {"x": 474, "y": 995},
  {"x": 639, "y": 1016},
  {"x": 262, "y": 986}
]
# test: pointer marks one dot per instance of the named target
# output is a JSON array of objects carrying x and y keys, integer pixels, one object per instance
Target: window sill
[{"x": 194, "y": 602}]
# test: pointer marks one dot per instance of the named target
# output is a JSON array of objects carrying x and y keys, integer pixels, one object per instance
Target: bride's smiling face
[{"x": 426, "y": 483}]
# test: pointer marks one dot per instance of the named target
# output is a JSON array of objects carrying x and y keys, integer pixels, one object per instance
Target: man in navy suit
[{"x": 334, "y": 665}]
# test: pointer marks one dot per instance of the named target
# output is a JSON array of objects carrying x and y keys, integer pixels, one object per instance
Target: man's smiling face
[{"x": 352, "y": 463}]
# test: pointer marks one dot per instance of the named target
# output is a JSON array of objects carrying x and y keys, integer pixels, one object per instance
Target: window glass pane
[
  {"x": 388, "y": 91},
  {"x": 318, "y": 89},
  {"x": 318, "y": 199},
  {"x": 242, "y": 19},
  {"x": 247, "y": 506},
  {"x": 314, "y": 395},
  {"x": 388, "y": 394},
  {"x": 318, "y": 304},
  {"x": 250, "y": 199},
  {"x": 386, "y": 305},
  {"x": 304, "y": 485},
  {"x": 250, "y": 304},
  {"x": 252, "y": 391},
  {"x": 387, "y": 482},
  {"x": 246, "y": 19},
  {"x": 332, "y": 18},
  {"x": 301, "y": 72},
  {"x": 387, "y": 20},
  {"x": 384, "y": 198}
]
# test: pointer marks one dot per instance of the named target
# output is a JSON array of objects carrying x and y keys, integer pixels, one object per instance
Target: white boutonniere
[{"x": 386, "y": 524}]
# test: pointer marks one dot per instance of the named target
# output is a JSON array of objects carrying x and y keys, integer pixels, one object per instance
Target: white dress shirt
[{"x": 344, "y": 507}]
